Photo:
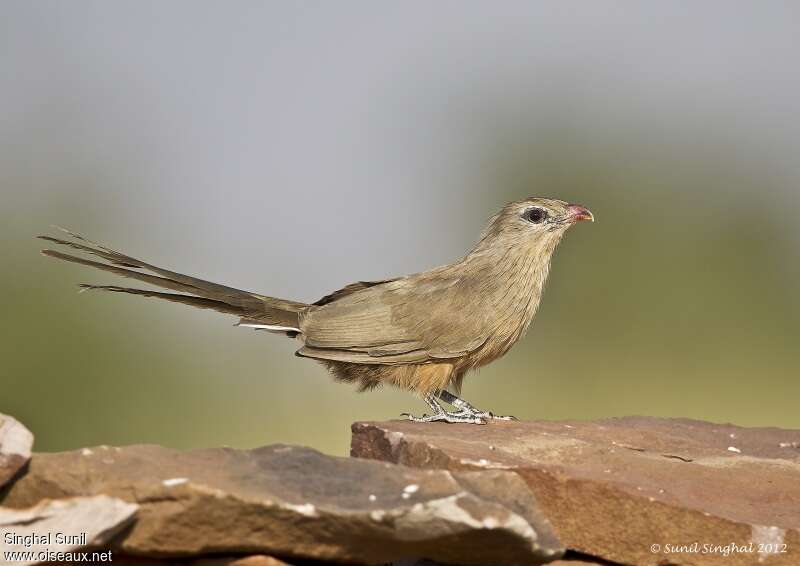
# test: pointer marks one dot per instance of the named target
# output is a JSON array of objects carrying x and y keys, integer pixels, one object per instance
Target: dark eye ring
[{"x": 535, "y": 215}]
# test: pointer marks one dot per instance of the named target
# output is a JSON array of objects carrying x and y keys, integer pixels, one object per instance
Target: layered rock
[
  {"x": 252, "y": 560},
  {"x": 54, "y": 531},
  {"x": 16, "y": 442},
  {"x": 632, "y": 490},
  {"x": 295, "y": 502},
  {"x": 624, "y": 491}
]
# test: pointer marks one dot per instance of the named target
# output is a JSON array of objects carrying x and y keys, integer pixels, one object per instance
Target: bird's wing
[
  {"x": 408, "y": 320},
  {"x": 349, "y": 290}
]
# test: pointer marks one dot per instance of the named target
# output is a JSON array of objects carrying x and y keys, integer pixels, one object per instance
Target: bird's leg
[
  {"x": 465, "y": 408},
  {"x": 439, "y": 414}
]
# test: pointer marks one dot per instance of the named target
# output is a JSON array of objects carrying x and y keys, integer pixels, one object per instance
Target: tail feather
[
  {"x": 145, "y": 277},
  {"x": 269, "y": 310},
  {"x": 198, "y": 302},
  {"x": 123, "y": 260}
]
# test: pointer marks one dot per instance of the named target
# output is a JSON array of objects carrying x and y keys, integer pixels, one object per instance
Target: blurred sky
[{"x": 290, "y": 148}]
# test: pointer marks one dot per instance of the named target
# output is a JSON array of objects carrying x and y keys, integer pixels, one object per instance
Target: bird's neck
[{"x": 514, "y": 277}]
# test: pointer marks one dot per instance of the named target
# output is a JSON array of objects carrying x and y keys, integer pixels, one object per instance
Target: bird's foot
[
  {"x": 465, "y": 409},
  {"x": 446, "y": 417}
]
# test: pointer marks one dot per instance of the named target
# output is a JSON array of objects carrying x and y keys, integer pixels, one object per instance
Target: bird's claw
[{"x": 503, "y": 417}]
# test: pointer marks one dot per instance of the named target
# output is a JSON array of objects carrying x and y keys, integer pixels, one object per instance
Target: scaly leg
[
  {"x": 439, "y": 414},
  {"x": 466, "y": 409}
]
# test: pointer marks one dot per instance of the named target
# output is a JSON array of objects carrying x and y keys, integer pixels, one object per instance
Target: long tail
[{"x": 254, "y": 310}]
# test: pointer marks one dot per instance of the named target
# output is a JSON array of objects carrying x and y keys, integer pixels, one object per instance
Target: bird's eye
[{"x": 535, "y": 215}]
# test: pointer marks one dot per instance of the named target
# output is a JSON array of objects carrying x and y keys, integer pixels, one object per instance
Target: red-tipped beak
[{"x": 578, "y": 213}]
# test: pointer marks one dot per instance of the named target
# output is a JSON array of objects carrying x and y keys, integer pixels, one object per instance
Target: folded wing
[{"x": 409, "y": 320}]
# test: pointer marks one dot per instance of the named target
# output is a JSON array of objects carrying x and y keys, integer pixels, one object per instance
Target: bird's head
[{"x": 533, "y": 222}]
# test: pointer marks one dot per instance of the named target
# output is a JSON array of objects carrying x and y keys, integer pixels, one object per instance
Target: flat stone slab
[
  {"x": 55, "y": 531},
  {"x": 634, "y": 490},
  {"x": 16, "y": 442},
  {"x": 293, "y": 502}
]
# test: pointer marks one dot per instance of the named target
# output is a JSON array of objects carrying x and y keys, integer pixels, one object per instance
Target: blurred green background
[{"x": 289, "y": 149}]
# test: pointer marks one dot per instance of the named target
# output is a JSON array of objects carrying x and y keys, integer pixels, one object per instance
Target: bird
[{"x": 422, "y": 332}]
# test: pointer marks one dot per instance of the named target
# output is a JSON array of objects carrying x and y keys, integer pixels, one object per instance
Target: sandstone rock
[
  {"x": 296, "y": 502},
  {"x": 15, "y": 447},
  {"x": 568, "y": 562},
  {"x": 613, "y": 488},
  {"x": 253, "y": 560},
  {"x": 61, "y": 526}
]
